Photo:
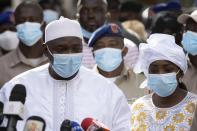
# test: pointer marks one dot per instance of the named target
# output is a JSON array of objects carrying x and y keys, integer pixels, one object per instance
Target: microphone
[
  {"x": 89, "y": 124},
  {"x": 35, "y": 123},
  {"x": 1, "y": 113},
  {"x": 1, "y": 118},
  {"x": 14, "y": 108},
  {"x": 68, "y": 125},
  {"x": 75, "y": 126}
]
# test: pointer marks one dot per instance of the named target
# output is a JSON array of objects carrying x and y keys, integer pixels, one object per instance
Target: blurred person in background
[
  {"x": 150, "y": 12},
  {"x": 5, "y": 5},
  {"x": 166, "y": 23},
  {"x": 130, "y": 10},
  {"x": 8, "y": 36},
  {"x": 189, "y": 43},
  {"x": 114, "y": 10},
  {"x": 50, "y": 10},
  {"x": 109, "y": 50},
  {"x": 136, "y": 28},
  {"x": 91, "y": 15},
  {"x": 169, "y": 107},
  {"x": 29, "y": 54}
]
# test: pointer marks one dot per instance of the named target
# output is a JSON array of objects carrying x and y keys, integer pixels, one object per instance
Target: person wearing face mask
[
  {"x": 91, "y": 15},
  {"x": 168, "y": 107},
  {"x": 189, "y": 43},
  {"x": 8, "y": 36},
  {"x": 49, "y": 10},
  {"x": 29, "y": 53},
  {"x": 109, "y": 50},
  {"x": 65, "y": 89}
]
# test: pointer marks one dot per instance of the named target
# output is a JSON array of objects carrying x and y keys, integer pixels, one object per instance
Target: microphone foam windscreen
[
  {"x": 1, "y": 107},
  {"x": 66, "y": 125},
  {"x": 75, "y": 126},
  {"x": 18, "y": 93},
  {"x": 86, "y": 123}
]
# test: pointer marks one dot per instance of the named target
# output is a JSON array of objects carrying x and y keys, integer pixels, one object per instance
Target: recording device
[
  {"x": 35, "y": 123},
  {"x": 89, "y": 124},
  {"x": 1, "y": 118},
  {"x": 68, "y": 125},
  {"x": 14, "y": 108}
]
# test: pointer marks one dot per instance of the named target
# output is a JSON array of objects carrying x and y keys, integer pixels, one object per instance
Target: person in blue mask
[
  {"x": 109, "y": 50},
  {"x": 189, "y": 43},
  {"x": 29, "y": 53},
  {"x": 50, "y": 11},
  {"x": 91, "y": 15},
  {"x": 63, "y": 89},
  {"x": 168, "y": 107}
]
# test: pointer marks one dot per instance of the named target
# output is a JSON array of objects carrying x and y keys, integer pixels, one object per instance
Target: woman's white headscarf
[{"x": 160, "y": 47}]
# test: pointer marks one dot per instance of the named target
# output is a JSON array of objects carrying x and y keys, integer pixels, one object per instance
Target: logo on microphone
[{"x": 33, "y": 125}]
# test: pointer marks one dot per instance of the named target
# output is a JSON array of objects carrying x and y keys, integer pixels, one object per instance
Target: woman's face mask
[{"x": 163, "y": 84}]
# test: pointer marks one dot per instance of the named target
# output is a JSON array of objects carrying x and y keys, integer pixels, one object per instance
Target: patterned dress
[{"x": 147, "y": 117}]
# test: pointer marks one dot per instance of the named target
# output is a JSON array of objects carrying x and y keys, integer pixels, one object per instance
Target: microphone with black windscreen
[
  {"x": 14, "y": 108},
  {"x": 35, "y": 123},
  {"x": 2, "y": 127},
  {"x": 1, "y": 113}
]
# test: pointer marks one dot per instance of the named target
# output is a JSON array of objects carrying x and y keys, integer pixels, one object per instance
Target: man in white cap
[
  {"x": 65, "y": 90},
  {"x": 189, "y": 43}
]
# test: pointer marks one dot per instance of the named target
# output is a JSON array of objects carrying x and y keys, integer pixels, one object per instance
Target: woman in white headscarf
[{"x": 170, "y": 107}]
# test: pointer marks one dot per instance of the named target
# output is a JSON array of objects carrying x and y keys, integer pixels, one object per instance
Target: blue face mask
[
  {"x": 162, "y": 84},
  {"x": 66, "y": 65},
  {"x": 50, "y": 15},
  {"x": 189, "y": 42},
  {"x": 86, "y": 34},
  {"x": 108, "y": 59},
  {"x": 29, "y": 33}
]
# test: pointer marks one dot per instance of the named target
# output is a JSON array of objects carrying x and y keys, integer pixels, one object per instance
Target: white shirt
[{"x": 87, "y": 95}]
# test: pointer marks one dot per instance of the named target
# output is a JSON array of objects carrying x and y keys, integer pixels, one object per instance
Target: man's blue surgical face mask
[
  {"x": 50, "y": 15},
  {"x": 163, "y": 84},
  {"x": 189, "y": 42},
  {"x": 108, "y": 59},
  {"x": 66, "y": 65},
  {"x": 29, "y": 33}
]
